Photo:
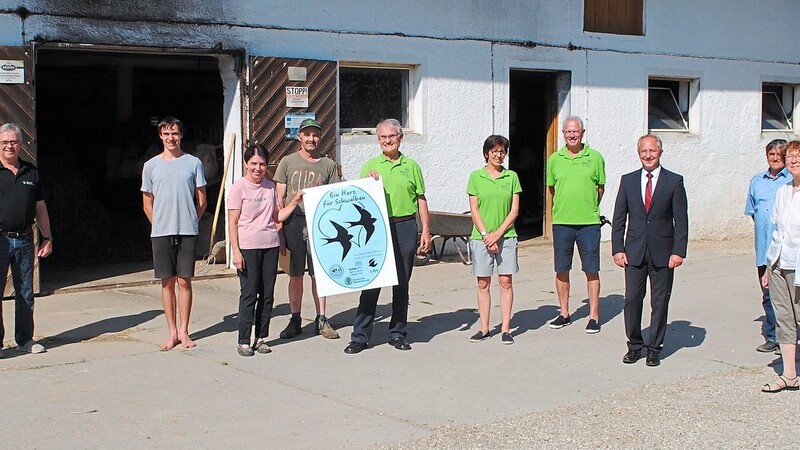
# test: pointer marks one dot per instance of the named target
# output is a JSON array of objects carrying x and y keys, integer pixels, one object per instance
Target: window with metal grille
[{"x": 614, "y": 16}]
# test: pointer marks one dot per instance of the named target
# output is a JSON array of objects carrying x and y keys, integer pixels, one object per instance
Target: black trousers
[
  {"x": 257, "y": 282},
  {"x": 404, "y": 242},
  {"x": 636, "y": 278}
]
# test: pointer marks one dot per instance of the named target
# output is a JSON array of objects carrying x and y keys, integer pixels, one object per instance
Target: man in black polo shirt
[{"x": 21, "y": 201}]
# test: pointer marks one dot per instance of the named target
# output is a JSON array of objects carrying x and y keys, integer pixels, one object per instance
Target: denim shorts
[
  {"x": 506, "y": 259},
  {"x": 587, "y": 237}
]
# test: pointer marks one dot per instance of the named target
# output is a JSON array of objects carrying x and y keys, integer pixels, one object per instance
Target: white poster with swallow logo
[{"x": 348, "y": 231}]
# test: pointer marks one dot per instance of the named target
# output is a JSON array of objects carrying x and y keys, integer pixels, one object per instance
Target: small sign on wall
[
  {"x": 297, "y": 96},
  {"x": 12, "y": 71},
  {"x": 297, "y": 74},
  {"x": 292, "y": 123}
]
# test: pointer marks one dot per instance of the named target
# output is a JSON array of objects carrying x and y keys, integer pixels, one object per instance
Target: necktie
[{"x": 648, "y": 192}]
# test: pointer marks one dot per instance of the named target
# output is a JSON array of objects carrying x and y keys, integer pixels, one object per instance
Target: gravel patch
[{"x": 726, "y": 410}]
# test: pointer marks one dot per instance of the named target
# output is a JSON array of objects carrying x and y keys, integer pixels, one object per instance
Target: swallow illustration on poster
[{"x": 350, "y": 239}]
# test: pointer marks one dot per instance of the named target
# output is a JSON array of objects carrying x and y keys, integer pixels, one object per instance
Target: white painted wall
[{"x": 464, "y": 51}]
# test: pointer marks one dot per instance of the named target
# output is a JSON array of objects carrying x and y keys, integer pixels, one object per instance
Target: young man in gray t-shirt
[{"x": 174, "y": 198}]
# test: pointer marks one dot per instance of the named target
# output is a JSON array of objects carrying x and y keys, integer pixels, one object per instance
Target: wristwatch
[
  {"x": 47, "y": 238},
  {"x": 484, "y": 233}
]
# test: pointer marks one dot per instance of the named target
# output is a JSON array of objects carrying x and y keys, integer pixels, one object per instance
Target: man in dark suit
[{"x": 652, "y": 203}]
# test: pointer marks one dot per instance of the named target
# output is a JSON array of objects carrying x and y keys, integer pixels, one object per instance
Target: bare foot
[
  {"x": 170, "y": 343},
  {"x": 187, "y": 342}
]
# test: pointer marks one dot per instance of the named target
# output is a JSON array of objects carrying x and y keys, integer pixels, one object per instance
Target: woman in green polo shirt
[{"x": 494, "y": 204}]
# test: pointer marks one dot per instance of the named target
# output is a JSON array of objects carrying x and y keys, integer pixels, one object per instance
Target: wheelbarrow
[
  {"x": 455, "y": 228},
  {"x": 448, "y": 227}
]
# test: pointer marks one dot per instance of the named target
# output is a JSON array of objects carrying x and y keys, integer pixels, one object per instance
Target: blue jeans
[
  {"x": 769, "y": 313},
  {"x": 18, "y": 253},
  {"x": 404, "y": 241}
]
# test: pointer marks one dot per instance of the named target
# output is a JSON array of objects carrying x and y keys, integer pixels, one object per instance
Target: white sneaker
[{"x": 31, "y": 347}]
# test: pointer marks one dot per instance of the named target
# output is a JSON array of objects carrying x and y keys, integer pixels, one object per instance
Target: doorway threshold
[{"x": 115, "y": 276}]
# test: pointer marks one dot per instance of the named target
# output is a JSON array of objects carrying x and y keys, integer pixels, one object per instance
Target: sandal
[
  {"x": 244, "y": 350},
  {"x": 262, "y": 347},
  {"x": 782, "y": 384}
]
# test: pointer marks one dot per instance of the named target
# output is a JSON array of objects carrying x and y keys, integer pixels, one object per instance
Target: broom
[{"x": 210, "y": 259}]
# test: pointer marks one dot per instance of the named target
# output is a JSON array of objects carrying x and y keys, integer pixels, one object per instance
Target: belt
[
  {"x": 402, "y": 218},
  {"x": 15, "y": 234}
]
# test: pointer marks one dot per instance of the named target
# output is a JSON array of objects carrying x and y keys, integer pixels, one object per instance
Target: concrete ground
[{"x": 103, "y": 381}]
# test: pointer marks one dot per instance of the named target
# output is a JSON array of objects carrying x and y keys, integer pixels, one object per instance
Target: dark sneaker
[
  {"x": 480, "y": 336},
  {"x": 767, "y": 347},
  {"x": 291, "y": 330},
  {"x": 592, "y": 327},
  {"x": 506, "y": 338},
  {"x": 399, "y": 343},
  {"x": 31, "y": 347},
  {"x": 324, "y": 328},
  {"x": 2, "y": 353},
  {"x": 560, "y": 322}
]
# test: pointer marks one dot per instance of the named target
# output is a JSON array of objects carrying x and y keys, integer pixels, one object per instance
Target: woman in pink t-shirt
[{"x": 253, "y": 216}]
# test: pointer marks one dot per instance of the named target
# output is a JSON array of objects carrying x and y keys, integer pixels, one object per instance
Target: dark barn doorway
[
  {"x": 532, "y": 114},
  {"x": 96, "y": 113}
]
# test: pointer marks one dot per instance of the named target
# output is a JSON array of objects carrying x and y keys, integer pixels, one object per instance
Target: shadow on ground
[
  {"x": 681, "y": 334},
  {"x": 106, "y": 326}
]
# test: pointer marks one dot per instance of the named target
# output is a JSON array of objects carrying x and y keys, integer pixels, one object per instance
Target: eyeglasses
[
  {"x": 498, "y": 152},
  {"x": 793, "y": 157},
  {"x": 388, "y": 137},
  {"x": 8, "y": 143}
]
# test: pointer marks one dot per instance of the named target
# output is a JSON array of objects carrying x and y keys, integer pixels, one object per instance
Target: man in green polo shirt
[
  {"x": 405, "y": 197},
  {"x": 576, "y": 178}
]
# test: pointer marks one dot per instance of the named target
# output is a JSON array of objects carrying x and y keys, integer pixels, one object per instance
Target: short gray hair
[
  {"x": 658, "y": 141},
  {"x": 11, "y": 126},
  {"x": 394, "y": 123},
  {"x": 779, "y": 144},
  {"x": 572, "y": 119}
]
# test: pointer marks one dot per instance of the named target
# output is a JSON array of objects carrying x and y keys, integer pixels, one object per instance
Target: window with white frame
[
  {"x": 668, "y": 103},
  {"x": 370, "y": 94},
  {"x": 777, "y": 102}
]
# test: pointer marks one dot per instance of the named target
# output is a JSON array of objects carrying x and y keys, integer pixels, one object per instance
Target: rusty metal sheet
[{"x": 269, "y": 76}]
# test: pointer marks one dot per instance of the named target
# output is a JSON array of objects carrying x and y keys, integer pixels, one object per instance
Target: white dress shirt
[
  {"x": 785, "y": 244},
  {"x": 656, "y": 172}
]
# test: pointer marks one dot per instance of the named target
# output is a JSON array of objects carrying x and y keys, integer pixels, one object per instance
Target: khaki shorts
[
  {"x": 506, "y": 260},
  {"x": 783, "y": 295}
]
